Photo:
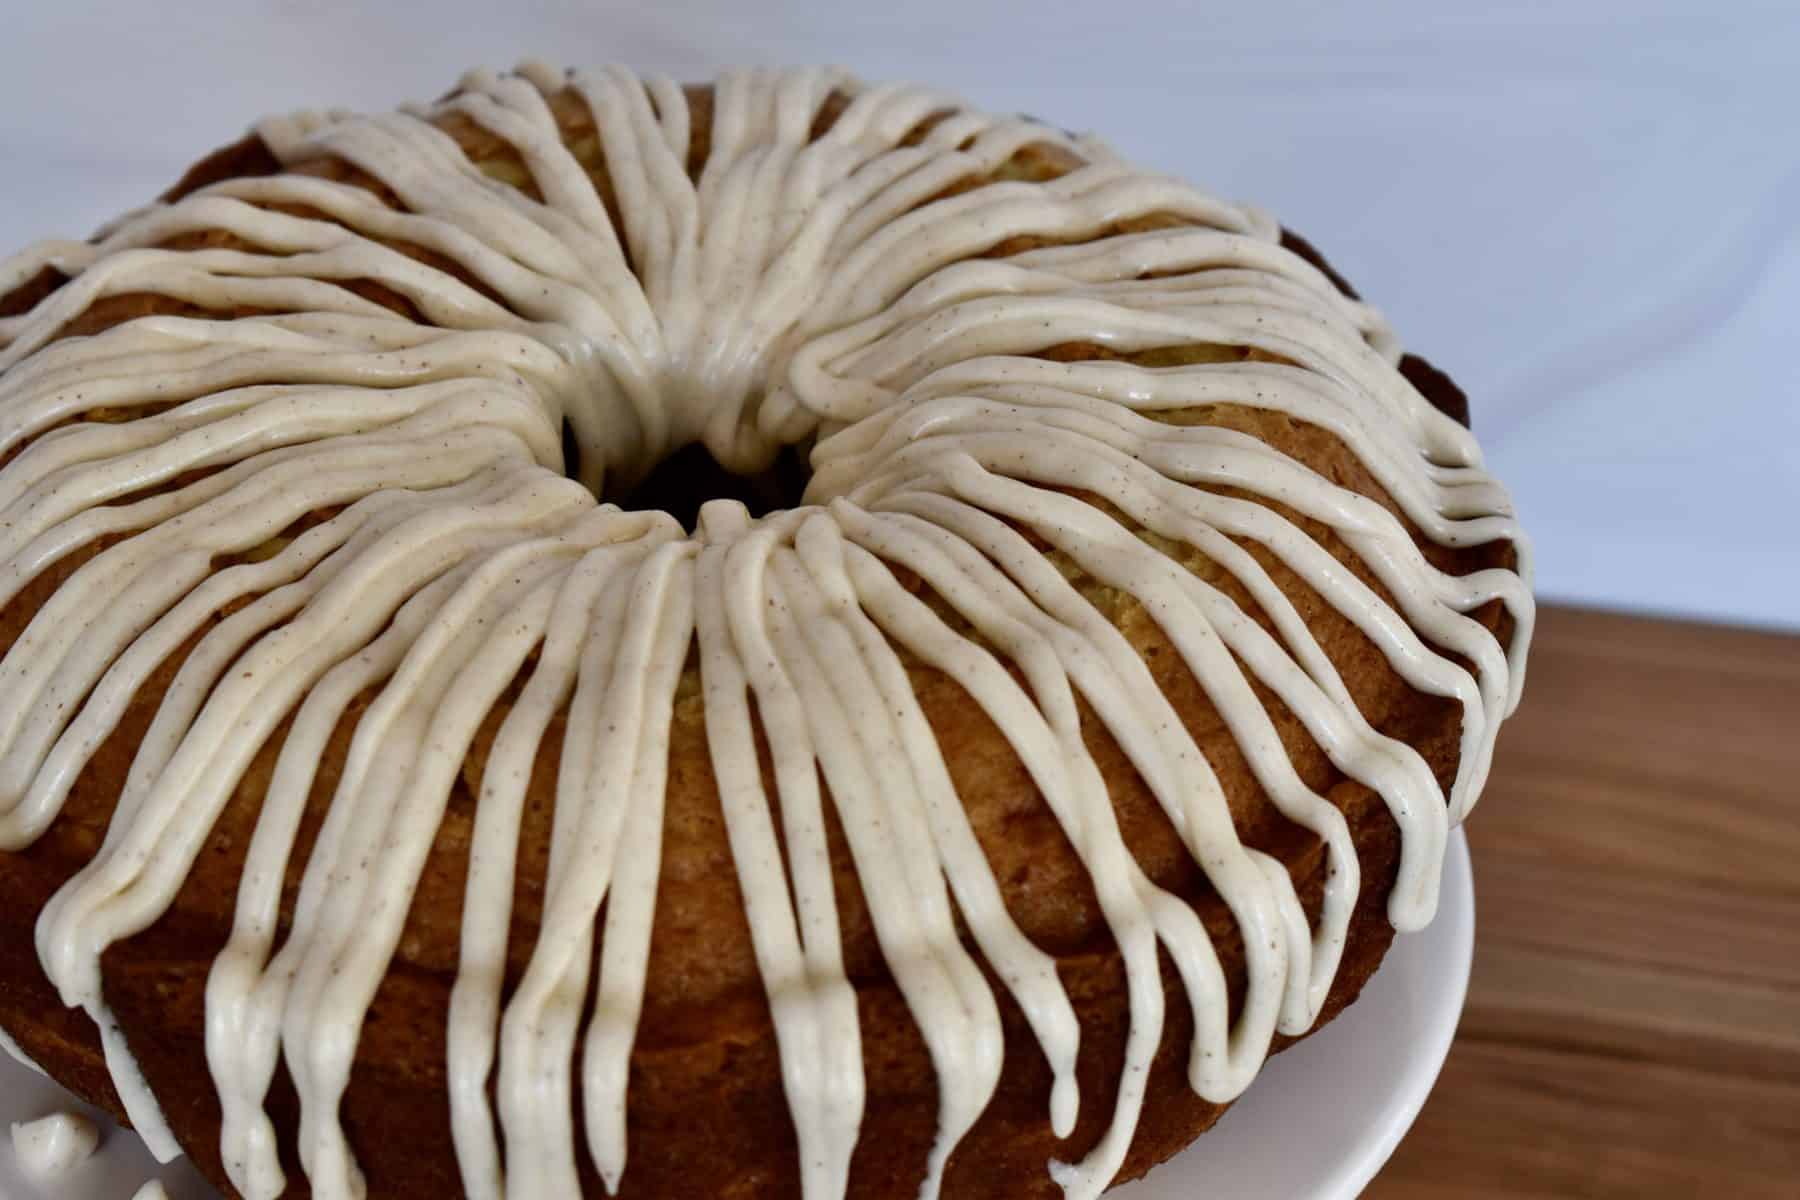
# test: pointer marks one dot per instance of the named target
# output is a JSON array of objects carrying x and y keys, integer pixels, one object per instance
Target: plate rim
[{"x": 1436, "y": 973}]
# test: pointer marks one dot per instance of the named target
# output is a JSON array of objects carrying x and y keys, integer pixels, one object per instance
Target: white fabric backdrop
[{"x": 1586, "y": 212}]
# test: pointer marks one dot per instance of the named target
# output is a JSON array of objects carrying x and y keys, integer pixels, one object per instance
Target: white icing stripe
[
  {"x": 796, "y": 941},
  {"x": 825, "y": 291}
]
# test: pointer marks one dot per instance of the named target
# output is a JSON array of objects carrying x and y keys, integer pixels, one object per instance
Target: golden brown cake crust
[{"x": 707, "y": 1113}]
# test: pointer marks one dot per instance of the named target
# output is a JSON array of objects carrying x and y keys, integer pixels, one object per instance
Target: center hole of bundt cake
[{"x": 681, "y": 483}]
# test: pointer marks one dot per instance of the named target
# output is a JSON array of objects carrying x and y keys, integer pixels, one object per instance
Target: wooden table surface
[{"x": 1633, "y": 1022}]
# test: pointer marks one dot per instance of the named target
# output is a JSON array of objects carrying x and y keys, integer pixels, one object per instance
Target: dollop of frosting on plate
[{"x": 53, "y": 1146}]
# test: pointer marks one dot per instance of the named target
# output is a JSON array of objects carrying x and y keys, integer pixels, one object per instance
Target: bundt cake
[{"x": 778, "y": 639}]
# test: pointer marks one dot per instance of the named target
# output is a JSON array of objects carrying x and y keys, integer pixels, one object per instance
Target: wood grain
[{"x": 1633, "y": 1022}]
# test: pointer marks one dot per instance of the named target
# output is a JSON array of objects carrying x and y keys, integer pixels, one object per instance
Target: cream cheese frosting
[
  {"x": 51, "y": 1147},
  {"x": 815, "y": 291}
]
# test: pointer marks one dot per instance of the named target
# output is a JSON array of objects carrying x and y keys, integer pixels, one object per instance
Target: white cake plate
[
  {"x": 1324, "y": 1116},
  {"x": 1319, "y": 1122}
]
